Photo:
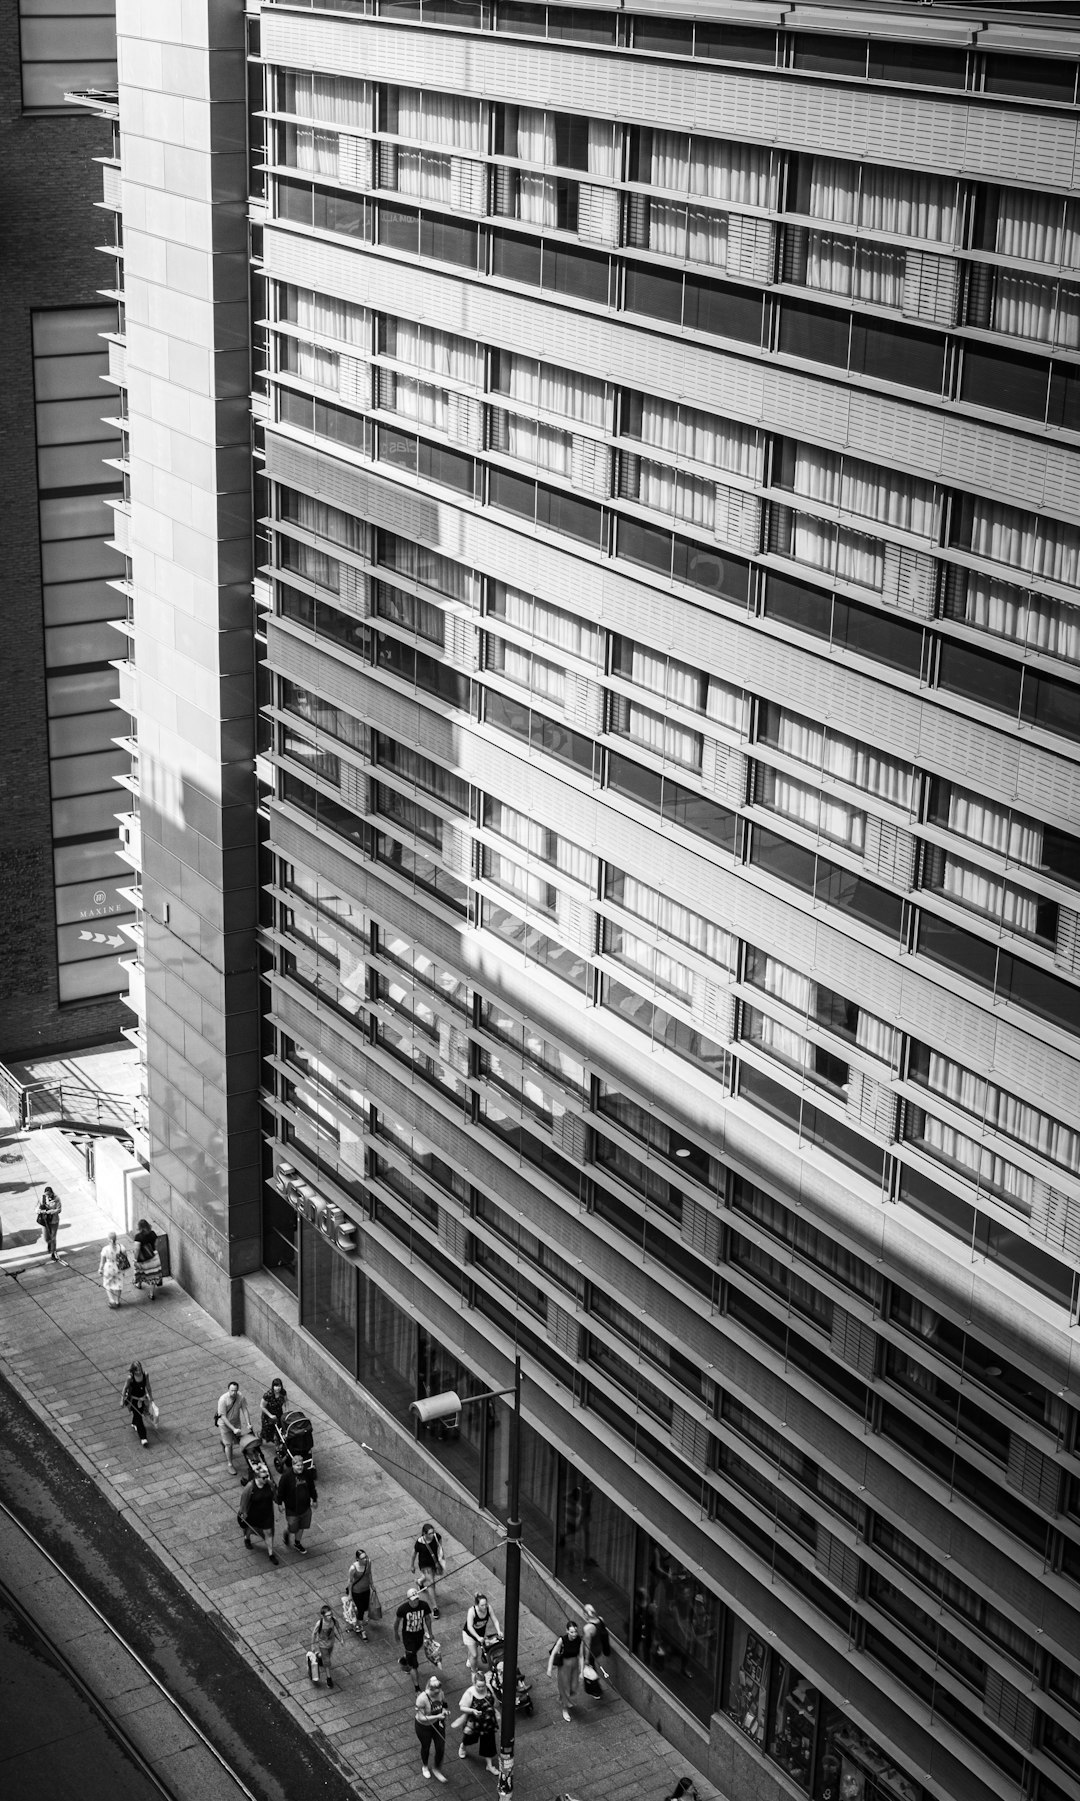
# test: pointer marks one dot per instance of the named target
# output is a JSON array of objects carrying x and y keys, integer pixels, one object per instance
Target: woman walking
[
  {"x": 147, "y": 1261},
  {"x": 274, "y": 1403},
  {"x": 431, "y": 1717},
  {"x": 256, "y": 1510},
  {"x": 358, "y": 1588},
  {"x": 138, "y": 1398},
  {"x": 480, "y": 1627},
  {"x": 110, "y": 1269},
  {"x": 325, "y": 1634},
  {"x": 565, "y": 1664},
  {"x": 48, "y": 1218},
  {"x": 478, "y": 1717},
  {"x": 427, "y": 1562}
]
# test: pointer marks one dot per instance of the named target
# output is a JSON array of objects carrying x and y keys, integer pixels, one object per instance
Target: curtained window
[
  {"x": 995, "y": 828},
  {"x": 650, "y": 961},
  {"x": 870, "y": 272},
  {"x": 551, "y": 624},
  {"x": 655, "y": 732},
  {"x": 703, "y": 437},
  {"x": 526, "y": 670},
  {"x": 971, "y": 1158},
  {"x": 713, "y": 168},
  {"x": 428, "y": 568},
  {"x": 1000, "y": 1111},
  {"x": 311, "y": 150},
  {"x": 884, "y": 495},
  {"x": 324, "y": 315},
  {"x": 688, "y": 233},
  {"x": 671, "y": 919},
  {"x": 1037, "y": 228},
  {"x": 454, "y": 120},
  {"x": 427, "y": 348},
  {"x": 333, "y": 99},
  {"x": 321, "y": 520},
  {"x": 809, "y": 807},
  {"x": 1030, "y": 542},
  {"x": 1044, "y": 624},
  {"x": 905, "y": 203}
]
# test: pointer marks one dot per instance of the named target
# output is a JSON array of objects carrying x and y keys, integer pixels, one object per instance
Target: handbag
[
  {"x": 433, "y": 1652},
  {"x": 155, "y": 1413},
  {"x": 590, "y": 1682},
  {"x": 123, "y": 1261},
  {"x": 349, "y": 1613},
  {"x": 374, "y": 1611},
  {"x": 314, "y": 1666}
]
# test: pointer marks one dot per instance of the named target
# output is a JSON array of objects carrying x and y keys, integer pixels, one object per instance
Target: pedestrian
[
  {"x": 684, "y": 1790},
  {"x": 325, "y": 1634},
  {"x": 431, "y": 1717},
  {"x": 274, "y": 1403},
  {"x": 412, "y": 1625},
  {"x": 233, "y": 1420},
  {"x": 565, "y": 1663},
  {"x": 256, "y": 1510},
  {"x": 147, "y": 1261},
  {"x": 478, "y": 1718},
  {"x": 48, "y": 1218},
  {"x": 138, "y": 1398},
  {"x": 428, "y": 1563},
  {"x": 479, "y": 1629},
  {"x": 112, "y": 1263},
  {"x": 594, "y": 1643},
  {"x": 298, "y": 1495},
  {"x": 358, "y": 1588}
]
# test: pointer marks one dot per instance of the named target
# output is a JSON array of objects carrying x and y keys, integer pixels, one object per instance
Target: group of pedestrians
[
  {"x": 574, "y": 1656},
  {"x": 114, "y": 1262}
]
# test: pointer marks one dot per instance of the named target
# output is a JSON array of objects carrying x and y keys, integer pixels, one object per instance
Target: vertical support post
[{"x": 513, "y": 1595}]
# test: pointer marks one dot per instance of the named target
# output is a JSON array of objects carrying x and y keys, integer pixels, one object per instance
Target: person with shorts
[
  {"x": 431, "y": 1716},
  {"x": 428, "y": 1564},
  {"x": 298, "y": 1495}
]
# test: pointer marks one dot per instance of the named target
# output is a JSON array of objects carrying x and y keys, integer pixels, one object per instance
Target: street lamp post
[{"x": 443, "y": 1406}]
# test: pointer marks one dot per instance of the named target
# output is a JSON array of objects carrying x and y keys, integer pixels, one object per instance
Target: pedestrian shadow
[{"x": 26, "y": 1235}]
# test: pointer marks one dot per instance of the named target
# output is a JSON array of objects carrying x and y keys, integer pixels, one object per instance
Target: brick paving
[{"x": 67, "y": 1353}]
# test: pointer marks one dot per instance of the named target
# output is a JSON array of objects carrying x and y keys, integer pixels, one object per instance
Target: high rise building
[
  {"x": 649, "y": 438},
  {"x": 60, "y": 876}
]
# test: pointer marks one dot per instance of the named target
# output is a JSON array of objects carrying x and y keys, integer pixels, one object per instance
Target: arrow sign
[{"x": 101, "y": 938}]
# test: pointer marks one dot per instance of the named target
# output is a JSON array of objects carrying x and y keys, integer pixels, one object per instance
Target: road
[{"x": 231, "y": 1737}]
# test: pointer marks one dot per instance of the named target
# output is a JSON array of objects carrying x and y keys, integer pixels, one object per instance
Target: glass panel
[
  {"x": 388, "y": 1349},
  {"x": 595, "y": 1549},
  {"x": 676, "y": 1627},
  {"x": 455, "y": 1442},
  {"x": 328, "y": 1297}
]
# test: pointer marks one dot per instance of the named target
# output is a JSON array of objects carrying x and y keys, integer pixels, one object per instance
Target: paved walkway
[{"x": 67, "y": 1353}]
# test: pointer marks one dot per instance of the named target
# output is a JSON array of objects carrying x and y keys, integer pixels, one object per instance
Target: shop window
[
  {"x": 676, "y": 1627},
  {"x": 387, "y": 1349},
  {"x": 328, "y": 1308},
  {"x": 280, "y": 1229}
]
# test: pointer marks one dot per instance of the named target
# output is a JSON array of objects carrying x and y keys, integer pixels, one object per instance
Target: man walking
[
  {"x": 256, "y": 1510},
  {"x": 412, "y": 1625},
  {"x": 298, "y": 1495},
  {"x": 232, "y": 1420},
  {"x": 431, "y": 1715}
]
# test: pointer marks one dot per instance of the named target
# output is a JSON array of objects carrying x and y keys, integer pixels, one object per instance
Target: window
[
  {"x": 808, "y": 1243},
  {"x": 670, "y": 918},
  {"x": 681, "y": 806},
  {"x": 536, "y": 947},
  {"x": 695, "y": 302},
  {"x": 844, "y": 759},
  {"x": 567, "y": 631},
  {"x": 545, "y": 735},
  {"x": 664, "y": 1029}
]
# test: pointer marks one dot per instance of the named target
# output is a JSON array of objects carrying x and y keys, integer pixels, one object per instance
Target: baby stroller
[
  {"x": 492, "y": 1661},
  {"x": 250, "y": 1448},
  {"x": 295, "y": 1438}
]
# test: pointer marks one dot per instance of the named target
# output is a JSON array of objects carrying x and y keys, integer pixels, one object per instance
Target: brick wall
[{"x": 49, "y": 184}]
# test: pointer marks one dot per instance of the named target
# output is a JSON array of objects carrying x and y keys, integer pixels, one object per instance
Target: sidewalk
[{"x": 67, "y": 1353}]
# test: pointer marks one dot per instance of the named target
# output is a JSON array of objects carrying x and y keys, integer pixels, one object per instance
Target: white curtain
[
  {"x": 876, "y": 1038},
  {"x": 328, "y": 317},
  {"x": 428, "y": 348},
  {"x": 530, "y": 135},
  {"x": 526, "y": 670},
  {"x": 419, "y": 401},
  {"x": 550, "y": 624},
  {"x": 321, "y": 520},
  {"x": 312, "y": 363},
  {"x": 1004, "y": 1113},
  {"x": 851, "y": 555},
  {"x": 894, "y": 200},
  {"x": 903, "y": 501},
  {"x": 1021, "y": 840},
  {"x": 536, "y": 201},
  {"x": 812, "y": 809},
  {"x": 879, "y": 275},
  {"x": 314, "y": 565},
  {"x": 704, "y": 437},
  {"x": 692, "y": 233},
  {"x": 429, "y": 569},
  {"x": 865, "y": 768},
  {"x": 602, "y": 148},
  {"x": 424, "y": 176},
  {"x": 1026, "y": 541},
  {"x": 541, "y": 445},
  {"x": 830, "y": 263},
  {"x": 1038, "y": 228},
  {"x": 742, "y": 173},
  {"x": 724, "y": 704},
  {"x": 786, "y": 984},
  {"x": 656, "y": 486},
  {"x": 670, "y": 162},
  {"x": 333, "y": 99},
  {"x": 1024, "y": 307},
  {"x": 801, "y": 739},
  {"x": 677, "y": 922},
  {"x": 789, "y": 1046},
  {"x": 834, "y": 190},
  {"x": 452, "y": 120},
  {"x": 666, "y": 971},
  {"x": 579, "y": 397},
  {"x": 662, "y": 736},
  {"x": 977, "y": 1159},
  {"x": 986, "y": 893},
  {"x": 1052, "y": 626},
  {"x": 533, "y": 889},
  {"x": 315, "y": 151}
]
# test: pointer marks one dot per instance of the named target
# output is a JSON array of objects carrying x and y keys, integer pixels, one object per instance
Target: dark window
[
  {"x": 978, "y": 676},
  {"x": 726, "y": 312},
  {"x": 294, "y": 202},
  {"x": 871, "y": 633},
  {"x": 827, "y": 55},
  {"x": 654, "y": 292},
  {"x": 635, "y": 781},
  {"x": 335, "y": 422},
  {"x": 399, "y": 230},
  {"x": 1061, "y": 855},
  {"x": 557, "y": 740},
  {"x": 586, "y": 27},
  {"x": 1064, "y": 404},
  {"x": 1025, "y": 985},
  {"x": 1005, "y": 380},
  {"x": 644, "y": 544},
  {"x": 666, "y": 38},
  {"x": 897, "y": 353},
  {"x": 864, "y": 900},
  {"x": 581, "y": 273},
  {"x": 296, "y": 409},
  {"x": 818, "y": 333},
  {"x": 448, "y": 241},
  {"x": 1052, "y": 704},
  {"x": 1035, "y": 77},
  {"x": 515, "y": 259},
  {"x": 571, "y": 141},
  {"x": 735, "y": 44},
  {"x": 697, "y": 814},
  {"x": 961, "y": 951},
  {"x": 523, "y": 17},
  {"x": 930, "y": 65},
  {"x": 397, "y": 447},
  {"x": 793, "y": 603},
  {"x": 581, "y": 519},
  {"x": 946, "y": 1210},
  {"x": 450, "y": 467},
  {"x": 771, "y": 1096},
  {"x": 850, "y": 1147},
  {"x": 703, "y": 568},
  {"x": 514, "y": 493},
  {"x": 341, "y": 213},
  {"x": 1014, "y": 1251},
  {"x": 780, "y": 857}
]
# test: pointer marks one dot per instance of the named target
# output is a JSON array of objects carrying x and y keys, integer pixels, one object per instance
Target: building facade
[
  {"x": 60, "y": 908},
  {"x": 621, "y": 901}
]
